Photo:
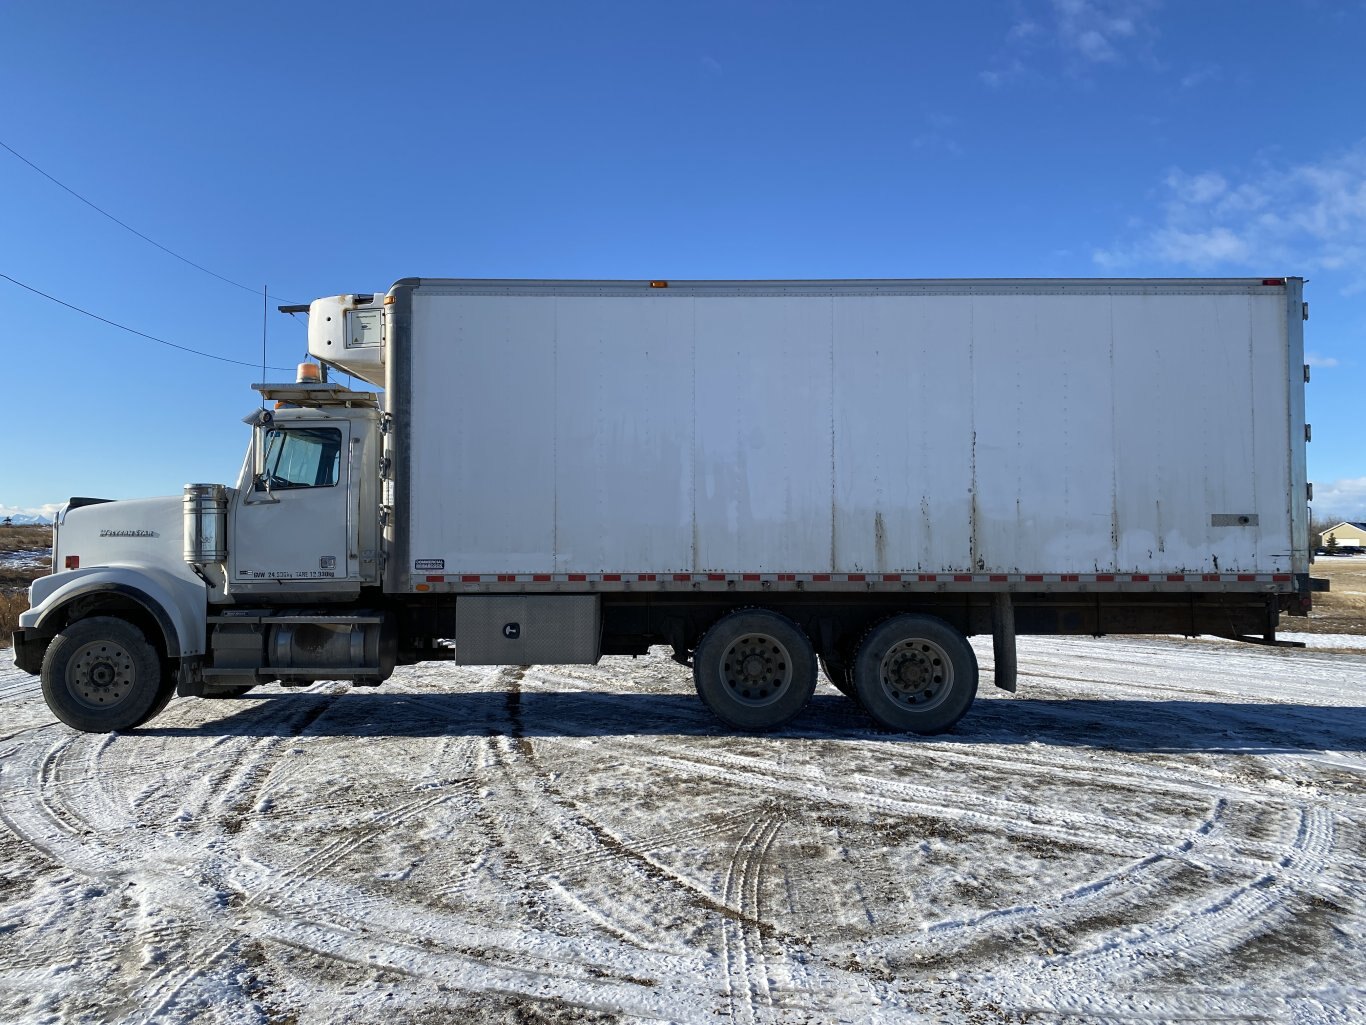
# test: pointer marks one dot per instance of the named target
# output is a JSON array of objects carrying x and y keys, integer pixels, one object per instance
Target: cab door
[{"x": 293, "y": 519}]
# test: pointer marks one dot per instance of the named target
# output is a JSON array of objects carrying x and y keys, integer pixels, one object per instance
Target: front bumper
[{"x": 29, "y": 650}]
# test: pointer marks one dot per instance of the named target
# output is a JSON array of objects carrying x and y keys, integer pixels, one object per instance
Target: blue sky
[{"x": 326, "y": 148}]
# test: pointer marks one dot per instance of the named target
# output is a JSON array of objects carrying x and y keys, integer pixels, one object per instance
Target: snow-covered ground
[
  {"x": 1149, "y": 831},
  {"x": 25, "y": 558}
]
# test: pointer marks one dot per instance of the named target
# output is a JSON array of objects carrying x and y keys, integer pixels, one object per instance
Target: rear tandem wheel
[
  {"x": 916, "y": 674},
  {"x": 755, "y": 669}
]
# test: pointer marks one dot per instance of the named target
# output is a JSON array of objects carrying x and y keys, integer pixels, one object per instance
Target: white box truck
[{"x": 763, "y": 475}]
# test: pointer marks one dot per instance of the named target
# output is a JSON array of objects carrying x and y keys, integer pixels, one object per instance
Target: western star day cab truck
[{"x": 762, "y": 475}]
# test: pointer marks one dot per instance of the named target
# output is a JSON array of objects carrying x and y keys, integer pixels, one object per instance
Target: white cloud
[
  {"x": 1201, "y": 75},
  {"x": 1197, "y": 188},
  {"x": 1097, "y": 28},
  {"x": 712, "y": 66},
  {"x": 1088, "y": 33},
  {"x": 1315, "y": 360},
  {"x": 1272, "y": 219},
  {"x": 1345, "y": 499}
]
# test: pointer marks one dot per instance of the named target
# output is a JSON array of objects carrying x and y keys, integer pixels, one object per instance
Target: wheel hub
[
  {"x": 101, "y": 673},
  {"x": 916, "y": 672},
  {"x": 756, "y": 668}
]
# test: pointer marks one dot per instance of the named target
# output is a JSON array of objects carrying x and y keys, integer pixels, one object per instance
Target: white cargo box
[{"x": 941, "y": 429}]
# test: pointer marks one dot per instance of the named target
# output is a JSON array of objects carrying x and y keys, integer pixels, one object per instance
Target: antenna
[{"x": 265, "y": 324}]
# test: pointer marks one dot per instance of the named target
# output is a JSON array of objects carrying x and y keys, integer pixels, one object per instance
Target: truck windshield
[{"x": 302, "y": 457}]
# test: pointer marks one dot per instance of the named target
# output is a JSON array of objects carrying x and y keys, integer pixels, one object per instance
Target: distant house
[{"x": 1348, "y": 533}]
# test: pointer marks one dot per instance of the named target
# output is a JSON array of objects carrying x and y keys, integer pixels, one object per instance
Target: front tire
[
  {"x": 101, "y": 674},
  {"x": 916, "y": 674},
  {"x": 755, "y": 669}
]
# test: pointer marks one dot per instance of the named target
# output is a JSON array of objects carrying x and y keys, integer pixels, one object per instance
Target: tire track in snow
[
  {"x": 633, "y": 913},
  {"x": 742, "y": 952},
  {"x": 1160, "y": 853},
  {"x": 1190, "y": 934},
  {"x": 329, "y": 854},
  {"x": 427, "y": 946}
]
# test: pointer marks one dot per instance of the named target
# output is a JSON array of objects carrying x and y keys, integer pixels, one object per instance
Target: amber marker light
[{"x": 659, "y": 284}]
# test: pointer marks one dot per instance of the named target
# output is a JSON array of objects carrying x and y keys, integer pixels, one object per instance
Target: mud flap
[{"x": 1003, "y": 640}]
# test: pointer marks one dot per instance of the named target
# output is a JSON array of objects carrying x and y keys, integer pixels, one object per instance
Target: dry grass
[
  {"x": 11, "y": 604},
  {"x": 1341, "y": 610},
  {"x": 14, "y": 580}
]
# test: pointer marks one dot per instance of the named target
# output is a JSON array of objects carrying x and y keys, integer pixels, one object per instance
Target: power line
[
  {"x": 133, "y": 331},
  {"x": 129, "y": 227}
]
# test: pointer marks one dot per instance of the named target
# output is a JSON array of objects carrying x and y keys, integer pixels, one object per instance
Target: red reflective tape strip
[
  {"x": 611, "y": 576},
  {"x": 683, "y": 576},
  {"x": 1211, "y": 576},
  {"x": 962, "y": 578},
  {"x": 578, "y": 577},
  {"x": 927, "y": 578},
  {"x": 541, "y": 577},
  {"x": 646, "y": 576},
  {"x": 716, "y": 576},
  {"x": 1105, "y": 578},
  {"x": 1281, "y": 578},
  {"x": 1247, "y": 577},
  {"x": 1034, "y": 578},
  {"x": 893, "y": 578},
  {"x": 436, "y": 580},
  {"x": 997, "y": 577},
  {"x": 1069, "y": 578},
  {"x": 788, "y": 577},
  {"x": 469, "y": 578},
  {"x": 1176, "y": 578},
  {"x": 855, "y": 578},
  {"x": 820, "y": 577},
  {"x": 750, "y": 576}
]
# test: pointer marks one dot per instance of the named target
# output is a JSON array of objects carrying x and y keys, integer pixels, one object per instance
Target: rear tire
[
  {"x": 101, "y": 674},
  {"x": 916, "y": 674},
  {"x": 755, "y": 669}
]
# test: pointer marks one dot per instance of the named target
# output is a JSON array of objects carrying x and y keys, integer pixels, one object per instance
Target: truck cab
[{"x": 195, "y": 592}]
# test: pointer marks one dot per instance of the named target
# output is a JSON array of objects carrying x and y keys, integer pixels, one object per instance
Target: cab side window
[{"x": 301, "y": 457}]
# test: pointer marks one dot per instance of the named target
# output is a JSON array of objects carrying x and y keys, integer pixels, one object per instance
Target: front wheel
[
  {"x": 916, "y": 674},
  {"x": 755, "y": 669},
  {"x": 101, "y": 674}
]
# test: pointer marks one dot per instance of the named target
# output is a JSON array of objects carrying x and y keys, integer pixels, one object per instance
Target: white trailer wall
[{"x": 845, "y": 427}]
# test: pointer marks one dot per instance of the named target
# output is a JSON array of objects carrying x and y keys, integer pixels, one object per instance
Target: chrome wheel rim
[
  {"x": 101, "y": 674},
  {"x": 756, "y": 669},
  {"x": 916, "y": 673}
]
